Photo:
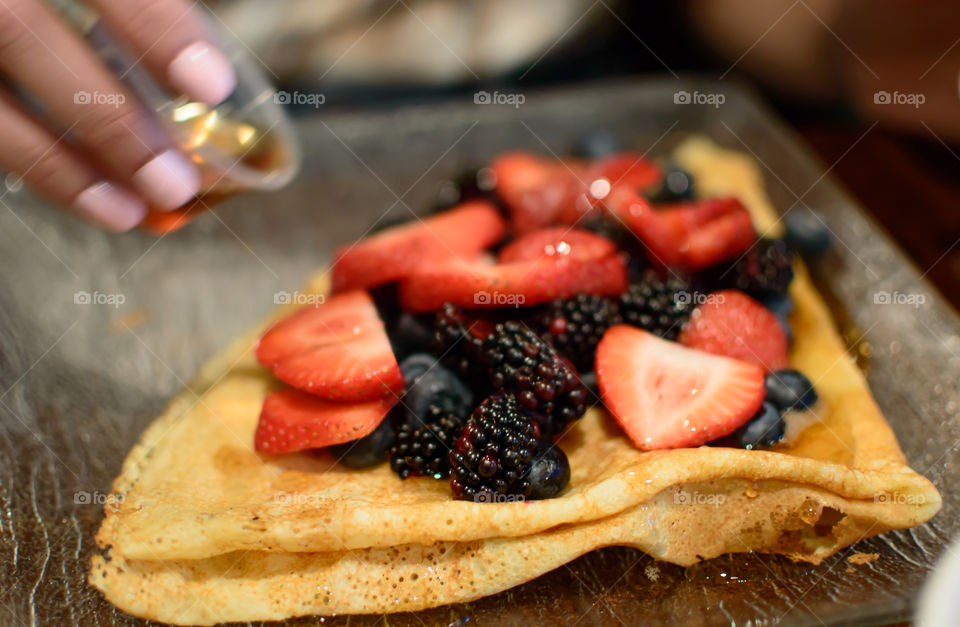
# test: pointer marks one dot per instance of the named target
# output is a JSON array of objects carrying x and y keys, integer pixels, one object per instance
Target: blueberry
[
  {"x": 781, "y": 305},
  {"x": 766, "y": 428},
  {"x": 428, "y": 383},
  {"x": 790, "y": 389},
  {"x": 677, "y": 185},
  {"x": 549, "y": 472},
  {"x": 596, "y": 144},
  {"x": 778, "y": 303},
  {"x": 369, "y": 450},
  {"x": 806, "y": 232},
  {"x": 410, "y": 334},
  {"x": 785, "y": 325}
]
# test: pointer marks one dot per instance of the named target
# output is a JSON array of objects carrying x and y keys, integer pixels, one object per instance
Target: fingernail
[
  {"x": 168, "y": 180},
  {"x": 203, "y": 73},
  {"x": 110, "y": 207}
]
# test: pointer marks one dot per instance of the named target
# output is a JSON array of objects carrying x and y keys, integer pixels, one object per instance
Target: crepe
[{"x": 201, "y": 529}]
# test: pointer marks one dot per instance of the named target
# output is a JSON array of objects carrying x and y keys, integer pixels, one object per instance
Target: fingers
[
  {"x": 46, "y": 164},
  {"x": 171, "y": 40},
  {"x": 42, "y": 55}
]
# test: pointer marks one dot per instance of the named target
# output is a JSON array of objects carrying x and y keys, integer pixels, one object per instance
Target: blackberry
[
  {"x": 492, "y": 456},
  {"x": 455, "y": 346},
  {"x": 763, "y": 271},
  {"x": 574, "y": 326},
  {"x": 545, "y": 383},
  {"x": 659, "y": 306},
  {"x": 424, "y": 450}
]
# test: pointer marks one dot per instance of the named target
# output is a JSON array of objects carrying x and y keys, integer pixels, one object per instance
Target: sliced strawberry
[
  {"x": 628, "y": 170},
  {"x": 667, "y": 396},
  {"x": 535, "y": 190},
  {"x": 691, "y": 236},
  {"x": 292, "y": 420},
  {"x": 559, "y": 241},
  {"x": 338, "y": 350},
  {"x": 392, "y": 254},
  {"x": 479, "y": 285},
  {"x": 731, "y": 323}
]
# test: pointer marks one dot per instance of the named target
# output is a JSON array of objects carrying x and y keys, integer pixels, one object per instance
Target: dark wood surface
[{"x": 910, "y": 185}]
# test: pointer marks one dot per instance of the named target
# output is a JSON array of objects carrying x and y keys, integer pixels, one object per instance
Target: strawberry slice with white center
[
  {"x": 392, "y": 254},
  {"x": 292, "y": 420},
  {"x": 338, "y": 350},
  {"x": 692, "y": 235},
  {"x": 536, "y": 268},
  {"x": 522, "y": 283},
  {"x": 665, "y": 395},
  {"x": 558, "y": 242},
  {"x": 535, "y": 190}
]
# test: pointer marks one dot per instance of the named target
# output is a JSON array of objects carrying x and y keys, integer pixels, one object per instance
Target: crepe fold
[{"x": 201, "y": 529}]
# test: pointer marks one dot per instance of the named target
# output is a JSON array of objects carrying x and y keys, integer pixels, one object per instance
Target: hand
[{"x": 110, "y": 159}]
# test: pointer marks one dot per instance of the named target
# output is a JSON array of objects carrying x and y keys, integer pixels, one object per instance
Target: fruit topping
[
  {"x": 369, "y": 450},
  {"x": 535, "y": 190},
  {"x": 790, "y": 389},
  {"x": 394, "y": 253},
  {"x": 559, "y": 243},
  {"x": 338, "y": 350},
  {"x": 766, "y": 428},
  {"x": 549, "y": 472},
  {"x": 764, "y": 270},
  {"x": 665, "y": 395},
  {"x": 545, "y": 384},
  {"x": 424, "y": 449},
  {"x": 493, "y": 453},
  {"x": 521, "y": 283},
  {"x": 689, "y": 236},
  {"x": 732, "y": 324},
  {"x": 428, "y": 384},
  {"x": 676, "y": 185},
  {"x": 292, "y": 420},
  {"x": 661, "y": 306},
  {"x": 806, "y": 231},
  {"x": 575, "y": 325}
]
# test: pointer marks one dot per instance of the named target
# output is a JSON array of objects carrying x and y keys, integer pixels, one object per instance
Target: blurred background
[{"x": 872, "y": 85}]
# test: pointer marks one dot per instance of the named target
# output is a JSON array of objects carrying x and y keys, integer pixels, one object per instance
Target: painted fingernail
[
  {"x": 167, "y": 181},
  {"x": 203, "y": 73},
  {"x": 110, "y": 207}
]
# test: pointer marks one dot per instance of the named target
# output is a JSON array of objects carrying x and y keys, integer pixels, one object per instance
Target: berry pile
[
  {"x": 454, "y": 346},
  {"x": 424, "y": 450},
  {"x": 492, "y": 456},
  {"x": 575, "y": 326},
  {"x": 546, "y": 385},
  {"x": 660, "y": 306}
]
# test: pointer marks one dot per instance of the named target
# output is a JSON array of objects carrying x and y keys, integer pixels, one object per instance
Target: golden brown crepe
[{"x": 203, "y": 530}]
